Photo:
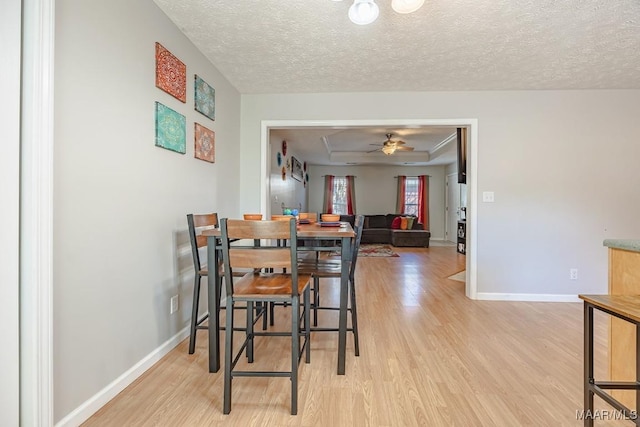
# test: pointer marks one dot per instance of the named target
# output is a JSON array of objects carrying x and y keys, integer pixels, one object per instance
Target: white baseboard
[
  {"x": 488, "y": 296},
  {"x": 91, "y": 406}
]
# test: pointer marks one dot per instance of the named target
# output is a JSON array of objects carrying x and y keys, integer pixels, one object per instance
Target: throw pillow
[
  {"x": 410, "y": 222},
  {"x": 395, "y": 224},
  {"x": 403, "y": 223}
]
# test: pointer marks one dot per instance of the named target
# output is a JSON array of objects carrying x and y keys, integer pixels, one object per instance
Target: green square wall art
[
  {"x": 171, "y": 129},
  {"x": 205, "y": 98}
]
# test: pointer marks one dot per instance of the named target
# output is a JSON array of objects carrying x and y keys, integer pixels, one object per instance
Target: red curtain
[
  {"x": 402, "y": 183},
  {"x": 328, "y": 194},
  {"x": 423, "y": 200},
  {"x": 351, "y": 194}
]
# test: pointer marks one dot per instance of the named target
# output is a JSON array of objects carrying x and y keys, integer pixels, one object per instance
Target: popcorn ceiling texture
[{"x": 298, "y": 46}]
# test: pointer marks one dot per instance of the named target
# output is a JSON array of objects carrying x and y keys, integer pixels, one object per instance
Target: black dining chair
[
  {"x": 263, "y": 286},
  {"x": 197, "y": 223},
  {"x": 323, "y": 268}
]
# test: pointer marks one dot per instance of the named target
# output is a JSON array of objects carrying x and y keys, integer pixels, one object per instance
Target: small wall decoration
[
  {"x": 171, "y": 129},
  {"x": 284, "y": 174},
  {"x": 306, "y": 177},
  {"x": 296, "y": 169},
  {"x": 205, "y": 98},
  {"x": 304, "y": 166},
  {"x": 279, "y": 159},
  {"x": 205, "y": 143},
  {"x": 284, "y": 148},
  {"x": 171, "y": 73}
]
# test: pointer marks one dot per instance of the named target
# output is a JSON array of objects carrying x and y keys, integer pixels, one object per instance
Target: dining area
[{"x": 267, "y": 266}]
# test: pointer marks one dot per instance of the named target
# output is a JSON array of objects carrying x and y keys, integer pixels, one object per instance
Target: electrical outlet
[
  {"x": 174, "y": 304},
  {"x": 573, "y": 274},
  {"x": 488, "y": 196}
]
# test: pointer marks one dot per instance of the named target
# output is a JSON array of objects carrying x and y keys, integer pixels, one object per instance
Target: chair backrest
[
  {"x": 355, "y": 244},
  {"x": 197, "y": 224},
  {"x": 257, "y": 256}
]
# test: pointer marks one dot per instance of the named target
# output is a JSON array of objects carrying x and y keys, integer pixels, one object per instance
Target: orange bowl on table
[
  {"x": 253, "y": 217},
  {"x": 330, "y": 217},
  {"x": 303, "y": 215},
  {"x": 281, "y": 217}
]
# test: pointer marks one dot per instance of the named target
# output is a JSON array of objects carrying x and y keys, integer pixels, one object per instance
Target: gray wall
[
  {"x": 562, "y": 165},
  {"x": 10, "y": 18},
  {"x": 376, "y": 188},
  {"x": 291, "y": 192},
  {"x": 120, "y": 203}
]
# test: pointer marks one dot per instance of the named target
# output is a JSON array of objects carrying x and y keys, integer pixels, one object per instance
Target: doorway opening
[{"x": 472, "y": 156}]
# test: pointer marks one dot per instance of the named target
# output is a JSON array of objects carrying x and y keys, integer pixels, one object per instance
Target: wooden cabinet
[
  {"x": 624, "y": 279},
  {"x": 462, "y": 237}
]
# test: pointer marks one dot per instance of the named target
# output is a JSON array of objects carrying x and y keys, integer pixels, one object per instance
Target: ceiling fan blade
[
  {"x": 404, "y": 148},
  {"x": 373, "y": 151},
  {"x": 399, "y": 142}
]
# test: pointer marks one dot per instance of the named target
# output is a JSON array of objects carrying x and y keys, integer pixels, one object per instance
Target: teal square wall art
[
  {"x": 205, "y": 98},
  {"x": 171, "y": 129}
]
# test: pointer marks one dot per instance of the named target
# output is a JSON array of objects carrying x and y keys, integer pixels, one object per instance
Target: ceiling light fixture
[
  {"x": 406, "y": 6},
  {"x": 389, "y": 149},
  {"x": 363, "y": 12}
]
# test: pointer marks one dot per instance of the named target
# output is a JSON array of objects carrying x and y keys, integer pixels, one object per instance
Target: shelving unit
[{"x": 462, "y": 237}]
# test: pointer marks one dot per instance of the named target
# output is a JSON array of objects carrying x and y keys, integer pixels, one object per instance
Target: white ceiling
[{"x": 310, "y": 46}]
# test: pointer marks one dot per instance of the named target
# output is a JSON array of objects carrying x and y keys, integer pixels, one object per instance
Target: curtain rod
[
  {"x": 409, "y": 176},
  {"x": 338, "y": 176}
]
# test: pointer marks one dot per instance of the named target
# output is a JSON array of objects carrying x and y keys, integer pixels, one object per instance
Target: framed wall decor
[
  {"x": 296, "y": 169},
  {"x": 205, "y": 98},
  {"x": 171, "y": 129},
  {"x": 171, "y": 73},
  {"x": 205, "y": 143}
]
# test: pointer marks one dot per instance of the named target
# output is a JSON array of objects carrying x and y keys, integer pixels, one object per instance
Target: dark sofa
[{"x": 377, "y": 229}]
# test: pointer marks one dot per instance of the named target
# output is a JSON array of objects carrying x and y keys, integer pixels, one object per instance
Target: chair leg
[
  {"x": 264, "y": 311},
  {"x": 295, "y": 352},
  {"x": 272, "y": 312},
  {"x": 194, "y": 313},
  {"x": 354, "y": 317},
  {"x": 307, "y": 324},
  {"x": 316, "y": 299},
  {"x": 228, "y": 357},
  {"x": 249, "y": 336}
]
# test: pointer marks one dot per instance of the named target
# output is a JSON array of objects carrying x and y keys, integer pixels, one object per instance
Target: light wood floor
[{"x": 429, "y": 357}]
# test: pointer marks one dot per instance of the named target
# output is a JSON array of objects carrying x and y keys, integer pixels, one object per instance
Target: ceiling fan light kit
[
  {"x": 406, "y": 6},
  {"x": 389, "y": 149},
  {"x": 363, "y": 12}
]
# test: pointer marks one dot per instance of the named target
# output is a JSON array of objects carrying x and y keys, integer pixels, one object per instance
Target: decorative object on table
[
  {"x": 205, "y": 98},
  {"x": 330, "y": 217},
  {"x": 296, "y": 169},
  {"x": 284, "y": 174},
  {"x": 284, "y": 148},
  {"x": 171, "y": 73},
  {"x": 171, "y": 129},
  {"x": 205, "y": 141},
  {"x": 279, "y": 158}
]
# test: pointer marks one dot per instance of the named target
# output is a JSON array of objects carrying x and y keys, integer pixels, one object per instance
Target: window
[
  {"x": 411, "y": 196},
  {"x": 339, "y": 200}
]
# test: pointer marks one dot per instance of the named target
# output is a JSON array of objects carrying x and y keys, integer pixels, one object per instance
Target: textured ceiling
[
  {"x": 310, "y": 46},
  {"x": 306, "y": 46}
]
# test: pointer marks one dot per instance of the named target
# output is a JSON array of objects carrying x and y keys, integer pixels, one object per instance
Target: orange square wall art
[
  {"x": 205, "y": 143},
  {"x": 171, "y": 73}
]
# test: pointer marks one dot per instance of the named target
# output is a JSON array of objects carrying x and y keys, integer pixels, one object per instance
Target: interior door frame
[
  {"x": 447, "y": 225},
  {"x": 266, "y": 126}
]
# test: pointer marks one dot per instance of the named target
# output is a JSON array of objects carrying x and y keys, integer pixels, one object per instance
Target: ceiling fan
[{"x": 390, "y": 146}]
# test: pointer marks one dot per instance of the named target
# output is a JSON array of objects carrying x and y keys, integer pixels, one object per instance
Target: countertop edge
[{"x": 626, "y": 244}]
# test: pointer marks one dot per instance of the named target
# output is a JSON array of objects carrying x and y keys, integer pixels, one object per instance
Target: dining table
[{"x": 316, "y": 235}]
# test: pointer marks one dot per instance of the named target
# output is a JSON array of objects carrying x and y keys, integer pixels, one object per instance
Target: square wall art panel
[
  {"x": 205, "y": 143},
  {"x": 171, "y": 73},
  {"x": 171, "y": 129},
  {"x": 205, "y": 98}
]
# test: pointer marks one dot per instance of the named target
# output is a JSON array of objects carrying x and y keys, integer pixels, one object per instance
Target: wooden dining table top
[{"x": 315, "y": 230}]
